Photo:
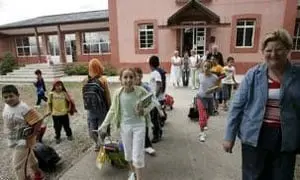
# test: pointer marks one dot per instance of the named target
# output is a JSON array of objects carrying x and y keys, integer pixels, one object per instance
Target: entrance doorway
[
  {"x": 194, "y": 38},
  {"x": 70, "y": 46}
]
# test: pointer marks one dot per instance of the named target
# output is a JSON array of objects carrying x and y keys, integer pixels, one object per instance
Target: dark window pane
[
  {"x": 239, "y": 36},
  {"x": 19, "y": 41},
  {"x": 143, "y": 45},
  {"x": 57, "y": 50},
  {"x": 27, "y": 51},
  {"x": 68, "y": 51},
  {"x": 249, "y": 36},
  {"x": 296, "y": 29},
  {"x": 86, "y": 49},
  {"x": 94, "y": 48},
  {"x": 150, "y": 27},
  {"x": 240, "y": 23},
  {"x": 105, "y": 48},
  {"x": 294, "y": 43},
  {"x": 25, "y": 41},
  {"x": 250, "y": 22},
  {"x": 20, "y": 51}
]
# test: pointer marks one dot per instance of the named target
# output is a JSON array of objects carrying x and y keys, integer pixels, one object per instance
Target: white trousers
[{"x": 133, "y": 138}]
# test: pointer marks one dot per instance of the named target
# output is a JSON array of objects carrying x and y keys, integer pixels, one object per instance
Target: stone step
[
  {"x": 33, "y": 68},
  {"x": 34, "y": 76},
  {"x": 30, "y": 72}
]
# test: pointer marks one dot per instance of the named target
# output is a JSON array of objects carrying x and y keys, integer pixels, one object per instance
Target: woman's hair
[
  {"x": 281, "y": 35},
  {"x": 138, "y": 70},
  {"x": 58, "y": 83},
  {"x": 230, "y": 59},
  {"x": 127, "y": 69},
  {"x": 10, "y": 89},
  {"x": 96, "y": 68}
]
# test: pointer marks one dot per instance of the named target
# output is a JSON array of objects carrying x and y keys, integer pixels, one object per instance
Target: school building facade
[{"x": 130, "y": 31}]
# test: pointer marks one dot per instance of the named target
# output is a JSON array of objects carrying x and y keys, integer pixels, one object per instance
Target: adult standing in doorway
[
  {"x": 194, "y": 66},
  {"x": 185, "y": 69},
  {"x": 176, "y": 63},
  {"x": 265, "y": 113},
  {"x": 215, "y": 53}
]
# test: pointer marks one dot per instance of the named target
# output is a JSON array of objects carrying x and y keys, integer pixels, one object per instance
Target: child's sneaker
[
  {"x": 202, "y": 137},
  {"x": 205, "y": 128},
  {"x": 150, "y": 151},
  {"x": 131, "y": 176},
  {"x": 57, "y": 141}
]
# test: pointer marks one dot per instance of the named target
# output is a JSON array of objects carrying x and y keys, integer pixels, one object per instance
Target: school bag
[
  {"x": 94, "y": 97},
  {"x": 193, "y": 110},
  {"x": 47, "y": 157},
  {"x": 163, "y": 78}
]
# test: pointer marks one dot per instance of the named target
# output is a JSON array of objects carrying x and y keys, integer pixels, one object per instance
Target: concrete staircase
[{"x": 26, "y": 74}]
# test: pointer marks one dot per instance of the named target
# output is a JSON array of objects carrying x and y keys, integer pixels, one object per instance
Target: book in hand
[{"x": 146, "y": 100}]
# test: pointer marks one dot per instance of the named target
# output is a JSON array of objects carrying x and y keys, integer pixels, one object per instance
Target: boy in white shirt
[{"x": 21, "y": 124}]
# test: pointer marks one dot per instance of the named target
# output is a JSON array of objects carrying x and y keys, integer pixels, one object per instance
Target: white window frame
[
  {"x": 99, "y": 43},
  {"x": 143, "y": 28},
  {"x": 245, "y": 26},
  {"x": 29, "y": 46},
  {"x": 296, "y": 37}
]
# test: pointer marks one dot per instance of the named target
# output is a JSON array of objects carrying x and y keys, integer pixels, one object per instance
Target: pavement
[{"x": 180, "y": 156}]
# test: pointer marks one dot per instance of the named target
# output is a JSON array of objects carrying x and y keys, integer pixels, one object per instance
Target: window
[
  {"x": 146, "y": 36},
  {"x": 27, "y": 46},
  {"x": 296, "y": 39},
  {"x": 245, "y": 30},
  {"x": 54, "y": 45},
  {"x": 96, "y": 42},
  {"x": 70, "y": 44}
]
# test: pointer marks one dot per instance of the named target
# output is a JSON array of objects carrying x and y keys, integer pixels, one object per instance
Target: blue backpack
[{"x": 94, "y": 96}]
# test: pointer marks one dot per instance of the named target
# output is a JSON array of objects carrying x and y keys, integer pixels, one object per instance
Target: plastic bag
[{"x": 102, "y": 157}]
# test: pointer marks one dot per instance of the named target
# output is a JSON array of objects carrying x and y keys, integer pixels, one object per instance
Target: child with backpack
[
  {"x": 208, "y": 84},
  {"x": 21, "y": 124},
  {"x": 60, "y": 105},
  {"x": 40, "y": 88},
  {"x": 128, "y": 114},
  {"x": 158, "y": 87},
  {"x": 96, "y": 97}
]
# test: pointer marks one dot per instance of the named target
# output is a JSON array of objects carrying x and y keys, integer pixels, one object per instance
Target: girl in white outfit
[
  {"x": 176, "y": 69},
  {"x": 194, "y": 66},
  {"x": 128, "y": 115}
]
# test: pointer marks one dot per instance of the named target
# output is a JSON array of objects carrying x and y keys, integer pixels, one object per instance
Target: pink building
[
  {"x": 141, "y": 28},
  {"x": 132, "y": 30}
]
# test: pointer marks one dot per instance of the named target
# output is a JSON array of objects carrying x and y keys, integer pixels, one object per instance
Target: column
[
  {"x": 78, "y": 45},
  {"x": 61, "y": 42},
  {"x": 38, "y": 44}
]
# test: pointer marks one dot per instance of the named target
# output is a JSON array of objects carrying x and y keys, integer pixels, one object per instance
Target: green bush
[
  {"x": 109, "y": 70},
  {"x": 82, "y": 69},
  {"x": 8, "y": 63},
  {"x": 78, "y": 69}
]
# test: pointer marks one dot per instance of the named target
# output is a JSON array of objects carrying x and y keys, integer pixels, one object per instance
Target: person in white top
[
  {"x": 195, "y": 61},
  {"x": 228, "y": 81},
  {"x": 176, "y": 63}
]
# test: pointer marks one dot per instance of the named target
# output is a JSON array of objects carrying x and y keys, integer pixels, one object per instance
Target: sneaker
[
  {"x": 150, "y": 150},
  {"x": 70, "y": 138},
  {"x": 57, "y": 141},
  {"x": 205, "y": 128},
  {"x": 131, "y": 176},
  {"x": 97, "y": 148},
  {"x": 202, "y": 137}
]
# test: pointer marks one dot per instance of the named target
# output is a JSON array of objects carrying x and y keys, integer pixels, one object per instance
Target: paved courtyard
[{"x": 180, "y": 155}]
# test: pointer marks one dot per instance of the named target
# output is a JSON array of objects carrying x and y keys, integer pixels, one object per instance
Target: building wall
[{"x": 272, "y": 12}]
